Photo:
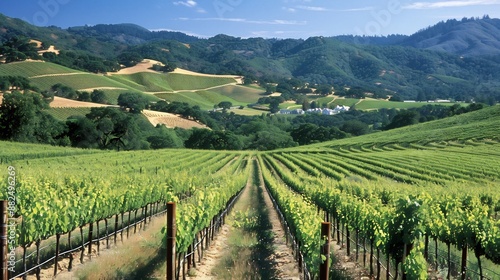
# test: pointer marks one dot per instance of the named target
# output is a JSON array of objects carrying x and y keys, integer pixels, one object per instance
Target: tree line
[{"x": 25, "y": 117}]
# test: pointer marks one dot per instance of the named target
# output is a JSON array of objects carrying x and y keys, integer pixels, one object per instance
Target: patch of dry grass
[{"x": 134, "y": 259}]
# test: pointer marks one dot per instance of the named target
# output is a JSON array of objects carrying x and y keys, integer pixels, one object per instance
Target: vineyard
[
  {"x": 204, "y": 99},
  {"x": 410, "y": 200}
]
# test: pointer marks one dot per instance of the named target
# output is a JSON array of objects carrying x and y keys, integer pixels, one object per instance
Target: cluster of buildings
[{"x": 318, "y": 111}]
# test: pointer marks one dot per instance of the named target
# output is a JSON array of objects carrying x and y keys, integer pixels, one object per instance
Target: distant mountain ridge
[
  {"x": 466, "y": 37},
  {"x": 452, "y": 60},
  {"x": 130, "y": 34}
]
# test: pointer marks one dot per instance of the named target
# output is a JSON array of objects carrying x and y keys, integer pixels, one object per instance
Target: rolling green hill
[
  {"x": 205, "y": 99},
  {"x": 63, "y": 114},
  {"x": 30, "y": 69},
  {"x": 44, "y": 75},
  {"x": 384, "y": 66},
  {"x": 481, "y": 125},
  {"x": 241, "y": 94},
  {"x": 371, "y": 104},
  {"x": 148, "y": 82}
]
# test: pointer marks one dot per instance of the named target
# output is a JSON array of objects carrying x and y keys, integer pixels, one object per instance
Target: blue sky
[{"x": 245, "y": 18}]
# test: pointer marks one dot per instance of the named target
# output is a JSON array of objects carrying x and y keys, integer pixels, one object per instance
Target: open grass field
[
  {"x": 128, "y": 80},
  {"x": 345, "y": 102},
  {"x": 33, "y": 68},
  {"x": 446, "y": 171},
  {"x": 77, "y": 82},
  {"x": 183, "y": 86},
  {"x": 482, "y": 124},
  {"x": 241, "y": 94},
  {"x": 371, "y": 104},
  {"x": 324, "y": 100},
  {"x": 448, "y": 79},
  {"x": 63, "y": 114},
  {"x": 290, "y": 105},
  {"x": 205, "y": 99},
  {"x": 192, "y": 82},
  {"x": 113, "y": 94},
  {"x": 145, "y": 81}
]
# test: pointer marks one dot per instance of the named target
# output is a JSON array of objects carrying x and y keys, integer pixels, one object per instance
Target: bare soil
[
  {"x": 60, "y": 102},
  {"x": 280, "y": 262},
  {"x": 238, "y": 79},
  {"x": 170, "y": 120},
  {"x": 286, "y": 265},
  {"x": 133, "y": 252},
  {"x": 142, "y": 66}
]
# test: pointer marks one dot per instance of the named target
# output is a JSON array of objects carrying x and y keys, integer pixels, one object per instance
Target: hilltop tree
[
  {"x": 115, "y": 129},
  {"x": 274, "y": 105},
  {"x": 129, "y": 59},
  {"x": 226, "y": 105},
  {"x": 165, "y": 138},
  {"x": 22, "y": 119},
  {"x": 324, "y": 89},
  {"x": 64, "y": 91},
  {"x": 309, "y": 133},
  {"x": 213, "y": 140},
  {"x": 355, "y": 127},
  {"x": 404, "y": 118},
  {"x": 83, "y": 96},
  {"x": 132, "y": 101},
  {"x": 16, "y": 82},
  {"x": 18, "y": 49},
  {"x": 98, "y": 96},
  {"x": 82, "y": 133},
  {"x": 167, "y": 67}
]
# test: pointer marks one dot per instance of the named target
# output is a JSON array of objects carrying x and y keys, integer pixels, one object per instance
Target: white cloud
[
  {"x": 323, "y": 9},
  {"x": 449, "y": 4},
  {"x": 244, "y": 20},
  {"x": 191, "y": 4},
  {"x": 288, "y": 9},
  {"x": 312, "y": 8},
  {"x": 357, "y": 9},
  {"x": 188, "y": 3}
]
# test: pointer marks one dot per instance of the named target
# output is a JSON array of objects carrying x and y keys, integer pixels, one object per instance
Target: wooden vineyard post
[
  {"x": 325, "y": 251},
  {"x": 171, "y": 231},
  {"x": 58, "y": 237},
  {"x": 464, "y": 262},
  {"x": 116, "y": 227},
  {"x": 3, "y": 238},
  {"x": 348, "y": 240},
  {"x": 91, "y": 229}
]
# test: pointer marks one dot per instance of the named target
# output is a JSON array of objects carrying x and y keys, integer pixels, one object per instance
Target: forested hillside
[{"x": 390, "y": 66}]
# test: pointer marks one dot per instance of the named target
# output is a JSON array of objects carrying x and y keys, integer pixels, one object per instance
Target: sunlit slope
[
  {"x": 479, "y": 125},
  {"x": 10, "y": 151},
  {"x": 33, "y": 68},
  {"x": 205, "y": 99},
  {"x": 44, "y": 75}
]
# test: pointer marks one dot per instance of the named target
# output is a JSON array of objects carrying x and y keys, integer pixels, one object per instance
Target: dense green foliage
[
  {"x": 380, "y": 69},
  {"x": 23, "y": 119},
  {"x": 394, "y": 201},
  {"x": 18, "y": 49},
  {"x": 374, "y": 184},
  {"x": 82, "y": 191}
]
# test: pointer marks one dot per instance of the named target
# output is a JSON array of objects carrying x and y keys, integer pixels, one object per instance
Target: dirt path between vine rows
[
  {"x": 282, "y": 261},
  {"x": 287, "y": 267}
]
